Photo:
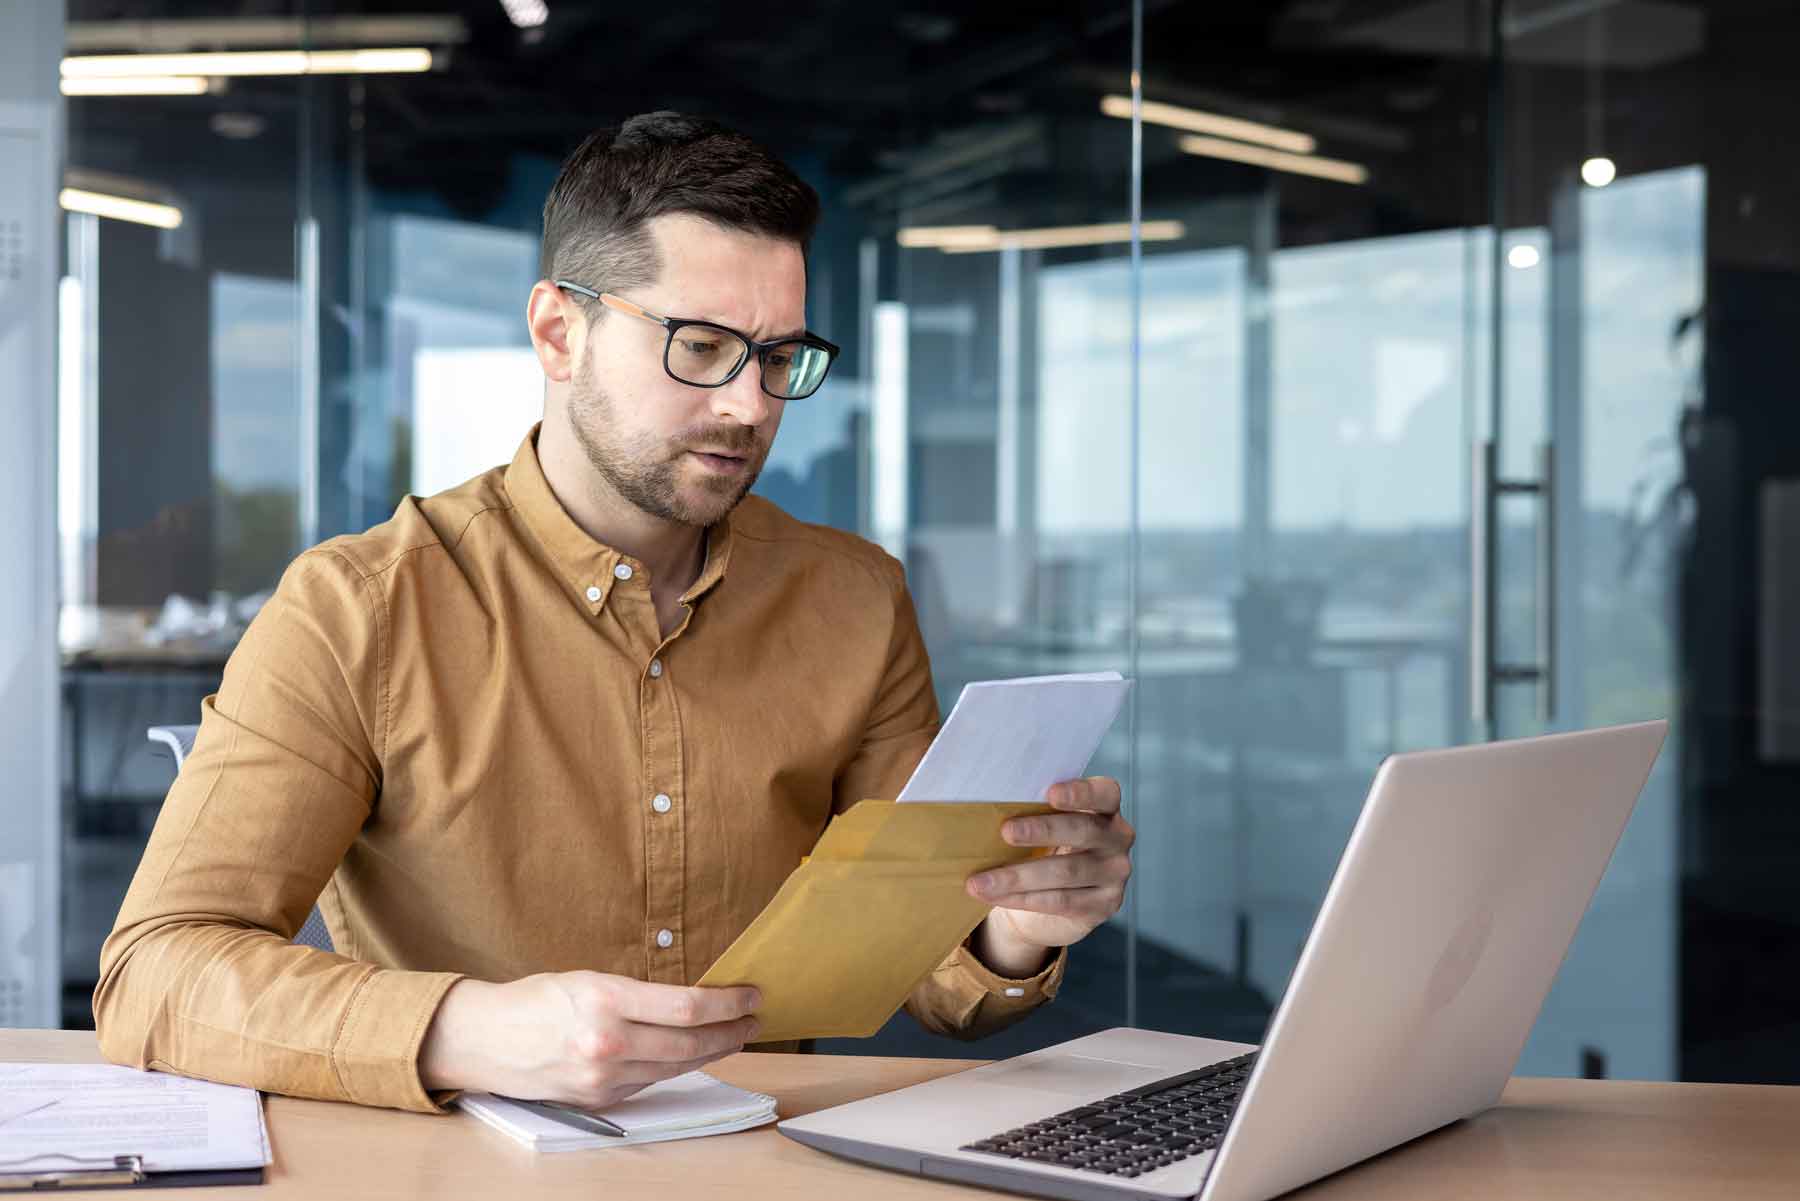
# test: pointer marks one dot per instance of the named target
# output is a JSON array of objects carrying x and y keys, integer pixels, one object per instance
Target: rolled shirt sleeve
[{"x": 200, "y": 975}]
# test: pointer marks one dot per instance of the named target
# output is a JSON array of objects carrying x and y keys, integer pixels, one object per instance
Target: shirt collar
[{"x": 588, "y": 567}]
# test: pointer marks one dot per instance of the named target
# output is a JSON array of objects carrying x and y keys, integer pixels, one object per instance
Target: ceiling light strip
[
  {"x": 973, "y": 239},
  {"x": 1174, "y": 116},
  {"x": 928, "y": 236},
  {"x": 121, "y": 208},
  {"x": 1277, "y": 160},
  {"x": 381, "y": 61},
  {"x": 137, "y": 85},
  {"x": 176, "y": 34}
]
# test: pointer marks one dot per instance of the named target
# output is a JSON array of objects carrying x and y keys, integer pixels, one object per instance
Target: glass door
[
  {"x": 1313, "y": 359},
  {"x": 1582, "y": 516}
]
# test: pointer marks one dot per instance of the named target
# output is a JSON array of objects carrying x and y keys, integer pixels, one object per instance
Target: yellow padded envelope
[{"x": 878, "y": 904}]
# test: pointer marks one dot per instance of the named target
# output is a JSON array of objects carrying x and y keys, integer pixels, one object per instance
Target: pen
[{"x": 568, "y": 1115}]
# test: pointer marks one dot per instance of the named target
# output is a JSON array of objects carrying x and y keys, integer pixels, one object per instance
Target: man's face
[{"x": 675, "y": 451}]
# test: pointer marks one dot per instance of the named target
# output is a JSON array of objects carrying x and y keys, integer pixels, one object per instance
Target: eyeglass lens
[{"x": 705, "y": 356}]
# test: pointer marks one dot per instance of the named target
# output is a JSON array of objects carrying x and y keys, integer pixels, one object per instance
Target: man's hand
[
  {"x": 582, "y": 1038},
  {"x": 1060, "y": 898}
]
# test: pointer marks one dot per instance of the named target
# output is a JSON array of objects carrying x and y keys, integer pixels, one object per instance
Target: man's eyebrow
[{"x": 796, "y": 332}]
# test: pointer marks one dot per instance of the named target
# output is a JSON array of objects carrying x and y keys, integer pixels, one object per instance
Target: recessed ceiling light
[
  {"x": 238, "y": 126},
  {"x": 526, "y": 14},
  {"x": 1598, "y": 172}
]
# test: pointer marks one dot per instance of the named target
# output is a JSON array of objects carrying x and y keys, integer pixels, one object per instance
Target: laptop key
[{"x": 1158, "y": 1086}]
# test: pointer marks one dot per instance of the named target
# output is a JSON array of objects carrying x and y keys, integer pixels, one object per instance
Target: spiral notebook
[{"x": 690, "y": 1106}]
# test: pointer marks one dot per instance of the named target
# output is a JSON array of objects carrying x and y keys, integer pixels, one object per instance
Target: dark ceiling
[{"x": 961, "y": 111}]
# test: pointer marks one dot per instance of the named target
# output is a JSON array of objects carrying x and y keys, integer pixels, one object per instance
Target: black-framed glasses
[{"x": 705, "y": 354}]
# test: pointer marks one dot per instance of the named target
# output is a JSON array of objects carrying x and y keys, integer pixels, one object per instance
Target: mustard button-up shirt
[{"x": 464, "y": 735}]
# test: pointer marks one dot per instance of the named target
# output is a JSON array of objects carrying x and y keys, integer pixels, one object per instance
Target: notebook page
[
  {"x": 695, "y": 1099},
  {"x": 689, "y": 1106}
]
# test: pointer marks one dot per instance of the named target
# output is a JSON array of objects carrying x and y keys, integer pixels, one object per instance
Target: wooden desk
[{"x": 1548, "y": 1140}]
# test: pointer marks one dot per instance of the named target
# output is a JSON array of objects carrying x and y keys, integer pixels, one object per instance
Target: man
[{"x": 541, "y": 746}]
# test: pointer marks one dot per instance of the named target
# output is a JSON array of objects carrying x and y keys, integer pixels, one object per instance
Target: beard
[{"x": 646, "y": 471}]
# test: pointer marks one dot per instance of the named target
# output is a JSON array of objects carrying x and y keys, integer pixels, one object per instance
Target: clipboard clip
[{"x": 126, "y": 1170}]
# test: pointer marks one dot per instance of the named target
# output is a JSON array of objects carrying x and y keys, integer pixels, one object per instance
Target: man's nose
[{"x": 743, "y": 399}]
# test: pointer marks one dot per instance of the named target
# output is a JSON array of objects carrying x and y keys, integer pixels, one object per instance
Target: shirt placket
[{"x": 663, "y": 784}]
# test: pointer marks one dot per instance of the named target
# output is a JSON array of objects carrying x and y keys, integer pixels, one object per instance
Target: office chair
[{"x": 180, "y": 740}]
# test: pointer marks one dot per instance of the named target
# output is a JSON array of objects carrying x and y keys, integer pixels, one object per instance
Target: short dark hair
[{"x": 656, "y": 163}]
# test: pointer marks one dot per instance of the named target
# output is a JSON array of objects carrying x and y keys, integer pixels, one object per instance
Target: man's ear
[{"x": 557, "y": 327}]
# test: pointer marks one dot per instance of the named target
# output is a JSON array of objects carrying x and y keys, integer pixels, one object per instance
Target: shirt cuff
[
  {"x": 376, "y": 1052},
  {"x": 1024, "y": 994},
  {"x": 965, "y": 999}
]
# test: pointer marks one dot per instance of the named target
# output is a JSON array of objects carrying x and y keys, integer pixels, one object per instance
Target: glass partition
[
  {"x": 1312, "y": 378},
  {"x": 182, "y": 405},
  {"x": 1435, "y": 395}
]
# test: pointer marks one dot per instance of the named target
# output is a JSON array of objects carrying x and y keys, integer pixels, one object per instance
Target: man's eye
[
  {"x": 695, "y": 346},
  {"x": 780, "y": 358}
]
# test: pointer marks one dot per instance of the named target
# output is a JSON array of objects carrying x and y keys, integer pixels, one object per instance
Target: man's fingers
[
  {"x": 1080, "y": 870},
  {"x": 625, "y": 1079},
  {"x": 1087, "y": 904},
  {"x": 1066, "y": 830},
  {"x": 642, "y": 1072},
  {"x": 1095, "y": 794},
  {"x": 675, "y": 1005},
  {"x": 671, "y": 1044}
]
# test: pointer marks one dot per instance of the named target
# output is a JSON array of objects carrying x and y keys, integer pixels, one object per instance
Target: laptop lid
[
  {"x": 1453, "y": 905},
  {"x": 1452, "y": 908}
]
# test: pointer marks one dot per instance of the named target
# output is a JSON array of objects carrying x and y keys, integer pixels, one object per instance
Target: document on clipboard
[
  {"x": 882, "y": 901},
  {"x": 85, "y": 1126}
]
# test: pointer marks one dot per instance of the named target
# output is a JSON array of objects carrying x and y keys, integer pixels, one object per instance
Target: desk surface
[{"x": 1548, "y": 1140}]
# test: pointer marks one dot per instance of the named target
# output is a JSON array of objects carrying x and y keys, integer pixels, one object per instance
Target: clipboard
[
  {"x": 870, "y": 913},
  {"x": 78, "y": 1126},
  {"x": 125, "y": 1171}
]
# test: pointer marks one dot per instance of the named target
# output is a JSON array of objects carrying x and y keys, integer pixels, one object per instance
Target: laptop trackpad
[{"x": 1071, "y": 1075}]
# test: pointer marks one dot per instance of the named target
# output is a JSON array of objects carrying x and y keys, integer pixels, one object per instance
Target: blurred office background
[{"x": 1407, "y": 373}]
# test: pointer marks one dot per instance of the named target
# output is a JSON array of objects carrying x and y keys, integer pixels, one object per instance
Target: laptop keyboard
[{"x": 1136, "y": 1131}]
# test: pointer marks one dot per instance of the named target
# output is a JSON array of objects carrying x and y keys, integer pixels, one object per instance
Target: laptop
[{"x": 1445, "y": 923}]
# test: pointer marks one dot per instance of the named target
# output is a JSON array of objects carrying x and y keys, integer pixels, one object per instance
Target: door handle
[{"x": 1486, "y": 672}]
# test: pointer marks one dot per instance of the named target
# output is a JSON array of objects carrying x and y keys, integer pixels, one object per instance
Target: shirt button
[
  {"x": 1015, "y": 992},
  {"x": 593, "y": 594},
  {"x": 622, "y": 571},
  {"x": 656, "y": 669},
  {"x": 660, "y": 802},
  {"x": 664, "y": 939}
]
